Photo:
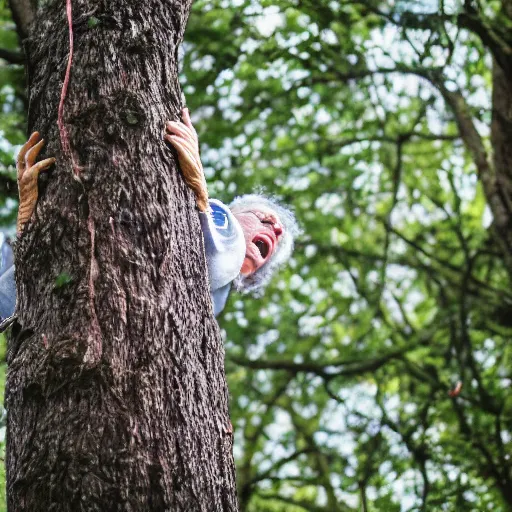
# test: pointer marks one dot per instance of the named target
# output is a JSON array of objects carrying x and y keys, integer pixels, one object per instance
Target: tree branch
[
  {"x": 279, "y": 464},
  {"x": 351, "y": 367},
  {"x": 23, "y": 14},
  {"x": 12, "y": 57},
  {"x": 499, "y": 48},
  {"x": 493, "y": 37}
]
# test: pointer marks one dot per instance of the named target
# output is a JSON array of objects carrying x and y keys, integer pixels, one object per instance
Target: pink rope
[{"x": 64, "y": 136}]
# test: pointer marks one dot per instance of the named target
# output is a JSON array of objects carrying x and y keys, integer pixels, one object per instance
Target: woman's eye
[{"x": 262, "y": 247}]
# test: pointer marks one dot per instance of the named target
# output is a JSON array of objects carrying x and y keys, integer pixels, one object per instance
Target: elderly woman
[{"x": 245, "y": 243}]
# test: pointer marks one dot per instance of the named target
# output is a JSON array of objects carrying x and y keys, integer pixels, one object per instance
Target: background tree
[
  {"x": 385, "y": 126},
  {"x": 116, "y": 394}
]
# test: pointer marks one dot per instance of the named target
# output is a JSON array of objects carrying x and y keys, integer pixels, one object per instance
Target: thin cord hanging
[{"x": 64, "y": 136}]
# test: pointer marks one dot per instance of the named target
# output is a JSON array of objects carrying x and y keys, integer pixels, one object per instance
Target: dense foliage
[{"x": 375, "y": 372}]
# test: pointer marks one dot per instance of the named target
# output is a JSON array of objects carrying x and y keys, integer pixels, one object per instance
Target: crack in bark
[{"x": 94, "y": 340}]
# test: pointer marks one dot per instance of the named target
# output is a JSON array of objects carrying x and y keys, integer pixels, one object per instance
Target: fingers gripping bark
[
  {"x": 28, "y": 172},
  {"x": 183, "y": 137}
]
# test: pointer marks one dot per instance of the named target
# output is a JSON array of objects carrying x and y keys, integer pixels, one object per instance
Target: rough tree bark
[
  {"x": 116, "y": 393},
  {"x": 501, "y": 139}
]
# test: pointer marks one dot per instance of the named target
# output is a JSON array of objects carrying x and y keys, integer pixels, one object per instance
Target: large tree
[{"x": 116, "y": 394}]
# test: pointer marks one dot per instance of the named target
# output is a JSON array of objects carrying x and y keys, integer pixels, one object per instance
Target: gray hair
[{"x": 259, "y": 279}]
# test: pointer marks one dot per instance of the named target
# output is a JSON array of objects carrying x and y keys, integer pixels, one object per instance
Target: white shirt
[{"x": 224, "y": 244}]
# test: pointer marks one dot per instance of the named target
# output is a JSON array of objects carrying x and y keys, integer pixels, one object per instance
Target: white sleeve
[
  {"x": 7, "y": 294},
  {"x": 224, "y": 244},
  {"x": 219, "y": 298}
]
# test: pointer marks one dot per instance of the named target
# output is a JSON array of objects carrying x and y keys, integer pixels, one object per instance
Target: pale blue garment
[
  {"x": 7, "y": 292},
  {"x": 7, "y": 256},
  {"x": 224, "y": 246}
]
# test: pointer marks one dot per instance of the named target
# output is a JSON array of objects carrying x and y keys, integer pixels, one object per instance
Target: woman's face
[{"x": 262, "y": 232}]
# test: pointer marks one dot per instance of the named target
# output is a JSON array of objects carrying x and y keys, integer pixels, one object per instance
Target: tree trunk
[
  {"x": 116, "y": 392},
  {"x": 501, "y": 138}
]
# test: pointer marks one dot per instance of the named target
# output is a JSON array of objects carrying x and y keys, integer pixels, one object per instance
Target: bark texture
[
  {"x": 501, "y": 129},
  {"x": 501, "y": 138},
  {"x": 116, "y": 393}
]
